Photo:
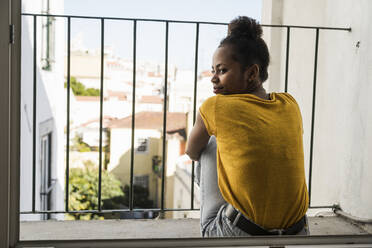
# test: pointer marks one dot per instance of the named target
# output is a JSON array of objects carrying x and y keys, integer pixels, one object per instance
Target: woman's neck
[{"x": 261, "y": 93}]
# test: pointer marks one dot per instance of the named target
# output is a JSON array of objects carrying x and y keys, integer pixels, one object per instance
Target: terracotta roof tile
[
  {"x": 87, "y": 98},
  {"x": 105, "y": 121},
  {"x": 207, "y": 73},
  {"x": 119, "y": 94},
  {"x": 152, "y": 120},
  {"x": 151, "y": 99}
]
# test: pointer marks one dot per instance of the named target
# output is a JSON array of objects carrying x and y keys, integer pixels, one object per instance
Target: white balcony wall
[
  {"x": 51, "y": 107},
  {"x": 342, "y": 171}
]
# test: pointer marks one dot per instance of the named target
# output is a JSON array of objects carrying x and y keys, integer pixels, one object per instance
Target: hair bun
[{"x": 246, "y": 27}]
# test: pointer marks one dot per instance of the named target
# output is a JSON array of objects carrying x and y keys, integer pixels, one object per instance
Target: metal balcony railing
[{"x": 197, "y": 25}]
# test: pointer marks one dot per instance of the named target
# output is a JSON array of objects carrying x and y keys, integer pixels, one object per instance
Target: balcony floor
[{"x": 162, "y": 228}]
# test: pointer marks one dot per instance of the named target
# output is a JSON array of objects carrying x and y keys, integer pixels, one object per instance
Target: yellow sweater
[{"x": 260, "y": 160}]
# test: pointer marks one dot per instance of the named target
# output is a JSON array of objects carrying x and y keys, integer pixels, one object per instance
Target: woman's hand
[{"x": 198, "y": 139}]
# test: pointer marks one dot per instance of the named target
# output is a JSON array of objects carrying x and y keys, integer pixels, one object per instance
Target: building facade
[{"x": 48, "y": 187}]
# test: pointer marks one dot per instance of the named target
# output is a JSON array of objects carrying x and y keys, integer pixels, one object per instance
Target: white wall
[
  {"x": 50, "y": 109},
  {"x": 182, "y": 190},
  {"x": 342, "y": 171},
  {"x": 173, "y": 153},
  {"x": 120, "y": 142}
]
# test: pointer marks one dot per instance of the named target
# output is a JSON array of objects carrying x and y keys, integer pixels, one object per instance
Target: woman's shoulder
[
  {"x": 208, "y": 104},
  {"x": 210, "y": 100},
  {"x": 286, "y": 96}
]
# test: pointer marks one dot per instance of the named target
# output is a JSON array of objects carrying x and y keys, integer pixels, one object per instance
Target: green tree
[
  {"x": 79, "y": 145},
  {"x": 79, "y": 89},
  {"x": 92, "y": 92},
  {"x": 83, "y": 185}
]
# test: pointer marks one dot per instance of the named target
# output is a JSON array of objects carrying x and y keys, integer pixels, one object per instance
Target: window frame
[
  {"x": 142, "y": 180},
  {"x": 46, "y": 180},
  {"x": 10, "y": 169},
  {"x": 142, "y": 143}
]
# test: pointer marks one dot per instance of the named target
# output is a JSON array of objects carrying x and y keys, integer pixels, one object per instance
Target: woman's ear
[{"x": 252, "y": 73}]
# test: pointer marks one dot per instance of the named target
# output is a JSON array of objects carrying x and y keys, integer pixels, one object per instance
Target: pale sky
[{"x": 150, "y": 35}]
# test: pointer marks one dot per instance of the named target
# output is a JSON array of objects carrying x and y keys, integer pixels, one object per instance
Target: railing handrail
[{"x": 181, "y": 21}]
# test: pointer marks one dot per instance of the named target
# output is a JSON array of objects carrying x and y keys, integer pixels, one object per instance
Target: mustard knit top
[{"x": 260, "y": 160}]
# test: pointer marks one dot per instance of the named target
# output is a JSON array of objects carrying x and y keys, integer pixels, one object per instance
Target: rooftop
[
  {"x": 152, "y": 120},
  {"x": 152, "y": 99}
]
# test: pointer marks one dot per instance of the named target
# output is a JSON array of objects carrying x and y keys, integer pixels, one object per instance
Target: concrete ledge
[
  {"x": 163, "y": 228},
  {"x": 109, "y": 229}
]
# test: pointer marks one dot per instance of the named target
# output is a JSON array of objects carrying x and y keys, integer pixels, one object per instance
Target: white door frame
[
  {"x": 4, "y": 123},
  {"x": 10, "y": 11}
]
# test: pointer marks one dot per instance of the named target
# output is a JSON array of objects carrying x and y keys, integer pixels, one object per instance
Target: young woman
[{"x": 249, "y": 145}]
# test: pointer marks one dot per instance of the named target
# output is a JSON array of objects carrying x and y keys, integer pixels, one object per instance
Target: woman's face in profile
[{"x": 228, "y": 78}]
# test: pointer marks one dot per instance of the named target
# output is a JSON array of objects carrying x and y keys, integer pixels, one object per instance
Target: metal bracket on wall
[{"x": 11, "y": 34}]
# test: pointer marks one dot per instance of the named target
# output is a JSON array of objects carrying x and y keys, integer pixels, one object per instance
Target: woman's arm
[{"x": 198, "y": 139}]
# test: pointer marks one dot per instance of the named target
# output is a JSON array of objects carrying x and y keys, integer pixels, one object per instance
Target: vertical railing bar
[
  {"x": 313, "y": 112},
  {"x": 287, "y": 59},
  {"x": 164, "y": 116},
  {"x": 196, "y": 72},
  {"x": 101, "y": 114},
  {"x": 194, "y": 107},
  {"x": 68, "y": 112},
  {"x": 131, "y": 190},
  {"x": 34, "y": 118}
]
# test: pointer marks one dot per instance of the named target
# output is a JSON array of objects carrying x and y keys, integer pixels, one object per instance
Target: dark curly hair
[{"x": 244, "y": 36}]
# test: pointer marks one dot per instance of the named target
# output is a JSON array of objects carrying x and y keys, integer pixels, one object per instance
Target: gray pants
[{"x": 213, "y": 221}]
